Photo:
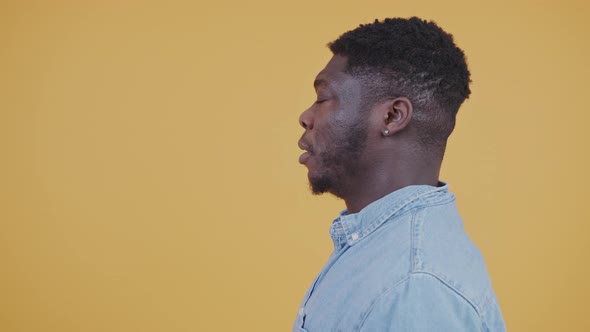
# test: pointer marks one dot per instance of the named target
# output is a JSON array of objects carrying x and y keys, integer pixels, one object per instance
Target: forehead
[{"x": 333, "y": 74}]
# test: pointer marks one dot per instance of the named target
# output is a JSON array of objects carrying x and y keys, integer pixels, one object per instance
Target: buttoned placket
[{"x": 333, "y": 258}]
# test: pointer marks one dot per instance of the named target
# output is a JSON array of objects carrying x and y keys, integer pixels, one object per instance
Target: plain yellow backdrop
[{"x": 148, "y": 168}]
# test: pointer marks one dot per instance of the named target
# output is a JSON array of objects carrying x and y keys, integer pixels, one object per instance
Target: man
[{"x": 375, "y": 137}]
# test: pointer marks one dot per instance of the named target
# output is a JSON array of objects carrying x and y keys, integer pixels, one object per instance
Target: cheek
[
  {"x": 330, "y": 129},
  {"x": 321, "y": 142},
  {"x": 331, "y": 144}
]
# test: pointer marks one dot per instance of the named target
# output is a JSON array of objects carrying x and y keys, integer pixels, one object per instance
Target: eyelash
[{"x": 320, "y": 101}]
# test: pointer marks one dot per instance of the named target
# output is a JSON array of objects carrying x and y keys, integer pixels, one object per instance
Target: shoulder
[
  {"x": 442, "y": 248},
  {"x": 421, "y": 302}
]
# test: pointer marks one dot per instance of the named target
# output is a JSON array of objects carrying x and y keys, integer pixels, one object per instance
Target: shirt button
[
  {"x": 354, "y": 236},
  {"x": 301, "y": 311}
]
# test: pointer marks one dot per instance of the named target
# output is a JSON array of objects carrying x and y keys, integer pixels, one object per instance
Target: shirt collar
[{"x": 351, "y": 228}]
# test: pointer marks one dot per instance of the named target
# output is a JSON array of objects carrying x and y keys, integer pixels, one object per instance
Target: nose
[{"x": 306, "y": 119}]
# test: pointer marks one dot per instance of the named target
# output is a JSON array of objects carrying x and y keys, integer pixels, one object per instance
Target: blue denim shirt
[{"x": 403, "y": 263}]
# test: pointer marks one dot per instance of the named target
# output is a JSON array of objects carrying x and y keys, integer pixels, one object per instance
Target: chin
[{"x": 320, "y": 184}]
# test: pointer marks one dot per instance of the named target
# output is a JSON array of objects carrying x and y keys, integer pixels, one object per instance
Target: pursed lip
[
  {"x": 304, "y": 146},
  {"x": 308, "y": 151}
]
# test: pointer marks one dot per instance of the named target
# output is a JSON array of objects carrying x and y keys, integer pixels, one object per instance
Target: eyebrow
[{"x": 319, "y": 82}]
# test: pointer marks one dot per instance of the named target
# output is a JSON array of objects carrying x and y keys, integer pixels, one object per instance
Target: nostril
[
  {"x": 306, "y": 125},
  {"x": 302, "y": 122},
  {"x": 305, "y": 120}
]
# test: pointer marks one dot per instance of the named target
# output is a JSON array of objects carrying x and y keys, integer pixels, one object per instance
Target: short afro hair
[{"x": 413, "y": 58}]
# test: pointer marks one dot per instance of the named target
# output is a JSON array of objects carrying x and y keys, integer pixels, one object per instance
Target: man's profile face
[{"x": 335, "y": 130}]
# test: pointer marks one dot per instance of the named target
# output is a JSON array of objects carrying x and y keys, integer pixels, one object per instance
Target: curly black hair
[{"x": 413, "y": 58}]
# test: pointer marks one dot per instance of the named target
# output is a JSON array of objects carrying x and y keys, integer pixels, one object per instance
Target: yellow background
[{"x": 149, "y": 177}]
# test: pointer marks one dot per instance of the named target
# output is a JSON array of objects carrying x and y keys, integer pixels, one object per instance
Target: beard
[{"x": 342, "y": 162}]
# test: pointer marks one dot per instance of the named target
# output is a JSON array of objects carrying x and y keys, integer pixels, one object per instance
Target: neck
[{"x": 380, "y": 181}]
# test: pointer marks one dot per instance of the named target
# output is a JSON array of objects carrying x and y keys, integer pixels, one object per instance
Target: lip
[
  {"x": 304, "y": 157},
  {"x": 303, "y": 146}
]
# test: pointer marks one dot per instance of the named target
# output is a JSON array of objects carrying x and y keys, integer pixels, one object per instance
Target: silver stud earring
[{"x": 385, "y": 132}]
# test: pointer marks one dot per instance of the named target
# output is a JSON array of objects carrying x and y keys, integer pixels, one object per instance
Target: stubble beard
[{"x": 341, "y": 163}]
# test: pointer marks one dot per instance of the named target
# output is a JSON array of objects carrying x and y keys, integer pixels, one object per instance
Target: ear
[{"x": 395, "y": 115}]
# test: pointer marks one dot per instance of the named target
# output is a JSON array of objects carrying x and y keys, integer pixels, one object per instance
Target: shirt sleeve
[{"x": 421, "y": 303}]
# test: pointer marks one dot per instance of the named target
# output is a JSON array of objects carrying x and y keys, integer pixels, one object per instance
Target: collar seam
[{"x": 390, "y": 212}]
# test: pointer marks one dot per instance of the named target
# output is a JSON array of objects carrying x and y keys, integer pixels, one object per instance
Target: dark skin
[{"x": 390, "y": 156}]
